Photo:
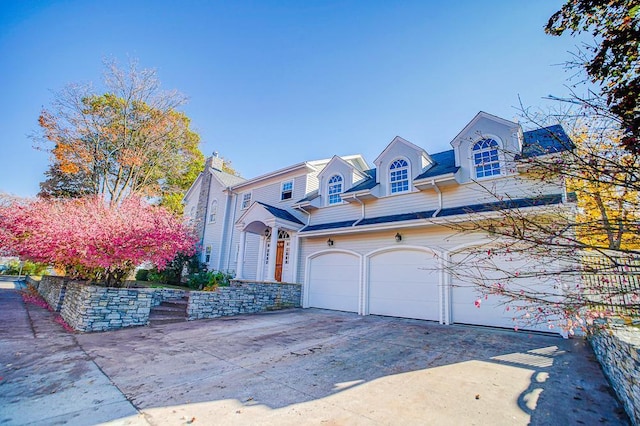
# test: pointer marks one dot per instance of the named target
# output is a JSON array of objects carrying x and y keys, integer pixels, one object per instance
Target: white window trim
[
  {"x": 242, "y": 206},
  {"x": 409, "y": 177},
  {"x": 501, "y": 160},
  {"x": 342, "y": 189},
  {"x": 282, "y": 189}
]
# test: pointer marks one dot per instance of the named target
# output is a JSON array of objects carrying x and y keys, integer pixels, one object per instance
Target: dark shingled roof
[
  {"x": 503, "y": 205},
  {"x": 332, "y": 225},
  {"x": 397, "y": 217},
  {"x": 311, "y": 196},
  {"x": 546, "y": 141},
  {"x": 368, "y": 183},
  {"x": 472, "y": 208},
  {"x": 281, "y": 214},
  {"x": 445, "y": 163}
]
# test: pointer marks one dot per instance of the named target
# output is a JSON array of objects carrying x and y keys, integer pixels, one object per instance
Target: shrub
[
  {"x": 142, "y": 275},
  {"x": 91, "y": 239}
]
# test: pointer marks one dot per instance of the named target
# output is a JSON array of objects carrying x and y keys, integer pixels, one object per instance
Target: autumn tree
[
  {"x": 131, "y": 139},
  {"x": 613, "y": 61},
  {"x": 90, "y": 238}
]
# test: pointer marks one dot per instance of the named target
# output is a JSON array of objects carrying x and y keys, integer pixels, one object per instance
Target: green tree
[
  {"x": 129, "y": 140},
  {"x": 613, "y": 62}
]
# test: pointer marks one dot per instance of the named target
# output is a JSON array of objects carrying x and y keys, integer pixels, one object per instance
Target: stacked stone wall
[
  {"x": 618, "y": 351},
  {"x": 163, "y": 294},
  {"x": 53, "y": 291},
  {"x": 92, "y": 308},
  {"x": 243, "y": 298}
]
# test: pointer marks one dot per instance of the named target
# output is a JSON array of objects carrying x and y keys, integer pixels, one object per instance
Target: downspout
[
  {"x": 355, "y": 197},
  {"x": 305, "y": 212},
  {"x": 232, "y": 228},
  {"x": 224, "y": 226},
  {"x": 433, "y": 183},
  {"x": 296, "y": 256}
]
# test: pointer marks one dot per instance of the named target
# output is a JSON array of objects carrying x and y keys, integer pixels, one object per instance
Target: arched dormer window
[
  {"x": 213, "y": 213},
  {"x": 334, "y": 189},
  {"x": 399, "y": 176},
  {"x": 486, "y": 160}
]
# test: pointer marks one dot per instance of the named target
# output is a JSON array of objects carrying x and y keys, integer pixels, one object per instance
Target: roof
[
  {"x": 368, "y": 183},
  {"x": 444, "y": 163},
  {"x": 280, "y": 213},
  {"x": 518, "y": 203},
  {"x": 227, "y": 179},
  {"x": 546, "y": 140},
  {"x": 332, "y": 225},
  {"x": 452, "y": 211},
  {"x": 311, "y": 196},
  {"x": 397, "y": 217}
]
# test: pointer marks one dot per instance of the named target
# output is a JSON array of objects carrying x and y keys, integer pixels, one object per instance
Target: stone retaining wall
[
  {"x": 162, "y": 294},
  {"x": 53, "y": 290},
  {"x": 618, "y": 351},
  {"x": 93, "y": 308},
  {"x": 243, "y": 297}
]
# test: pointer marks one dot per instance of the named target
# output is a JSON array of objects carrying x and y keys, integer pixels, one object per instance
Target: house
[{"x": 373, "y": 239}]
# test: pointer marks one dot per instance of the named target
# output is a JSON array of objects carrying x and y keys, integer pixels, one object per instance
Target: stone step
[{"x": 169, "y": 311}]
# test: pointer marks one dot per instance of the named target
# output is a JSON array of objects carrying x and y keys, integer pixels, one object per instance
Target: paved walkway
[
  {"x": 294, "y": 367},
  {"x": 45, "y": 376}
]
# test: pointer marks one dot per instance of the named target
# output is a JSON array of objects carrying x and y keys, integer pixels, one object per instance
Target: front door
[{"x": 279, "y": 257}]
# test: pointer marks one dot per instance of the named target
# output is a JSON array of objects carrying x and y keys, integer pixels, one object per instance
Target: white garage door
[
  {"x": 404, "y": 283},
  {"x": 334, "y": 282},
  {"x": 470, "y": 306}
]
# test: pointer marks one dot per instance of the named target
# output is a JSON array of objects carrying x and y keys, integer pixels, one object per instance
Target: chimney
[{"x": 215, "y": 161}]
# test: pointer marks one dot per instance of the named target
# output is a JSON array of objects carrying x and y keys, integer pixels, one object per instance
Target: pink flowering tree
[{"x": 91, "y": 239}]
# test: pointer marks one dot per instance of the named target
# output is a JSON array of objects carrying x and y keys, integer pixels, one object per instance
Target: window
[
  {"x": 399, "y": 176},
  {"x": 287, "y": 190},
  {"x": 214, "y": 211},
  {"x": 246, "y": 200},
  {"x": 335, "y": 189},
  {"x": 485, "y": 158}
]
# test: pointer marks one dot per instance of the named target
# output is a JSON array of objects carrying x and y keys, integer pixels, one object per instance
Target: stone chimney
[{"x": 215, "y": 161}]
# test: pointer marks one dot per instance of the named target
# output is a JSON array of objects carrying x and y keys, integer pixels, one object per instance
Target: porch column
[
  {"x": 295, "y": 241},
  {"x": 240, "y": 262},
  {"x": 271, "y": 270},
  {"x": 260, "y": 271}
]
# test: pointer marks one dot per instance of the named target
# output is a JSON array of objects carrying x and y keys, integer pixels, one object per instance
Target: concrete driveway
[
  {"x": 325, "y": 367},
  {"x": 319, "y": 367}
]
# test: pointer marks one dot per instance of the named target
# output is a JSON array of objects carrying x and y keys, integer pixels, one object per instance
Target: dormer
[
  {"x": 486, "y": 148},
  {"x": 398, "y": 165},
  {"x": 338, "y": 176}
]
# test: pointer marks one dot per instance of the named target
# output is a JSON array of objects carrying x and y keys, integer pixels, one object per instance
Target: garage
[
  {"x": 470, "y": 306},
  {"x": 404, "y": 283},
  {"x": 334, "y": 281}
]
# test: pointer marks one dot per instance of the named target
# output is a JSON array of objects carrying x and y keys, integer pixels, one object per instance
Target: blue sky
[{"x": 274, "y": 83}]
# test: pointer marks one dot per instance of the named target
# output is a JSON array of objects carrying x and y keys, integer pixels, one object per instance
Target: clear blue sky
[{"x": 274, "y": 83}]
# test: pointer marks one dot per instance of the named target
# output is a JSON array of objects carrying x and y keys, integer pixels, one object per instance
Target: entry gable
[{"x": 260, "y": 215}]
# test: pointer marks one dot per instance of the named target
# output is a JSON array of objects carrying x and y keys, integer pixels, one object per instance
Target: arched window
[
  {"x": 399, "y": 176},
  {"x": 334, "y": 189},
  {"x": 214, "y": 211},
  {"x": 485, "y": 158}
]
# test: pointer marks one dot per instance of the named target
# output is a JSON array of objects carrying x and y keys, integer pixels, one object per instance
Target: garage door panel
[
  {"x": 404, "y": 283},
  {"x": 494, "y": 310},
  {"x": 334, "y": 282}
]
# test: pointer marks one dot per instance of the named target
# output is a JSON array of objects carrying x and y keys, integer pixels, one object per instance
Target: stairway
[{"x": 169, "y": 311}]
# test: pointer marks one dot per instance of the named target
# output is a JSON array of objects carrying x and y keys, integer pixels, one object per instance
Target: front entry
[{"x": 279, "y": 258}]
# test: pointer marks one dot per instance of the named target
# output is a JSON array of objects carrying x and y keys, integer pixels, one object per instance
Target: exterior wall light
[
  {"x": 329, "y": 242},
  {"x": 398, "y": 237}
]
